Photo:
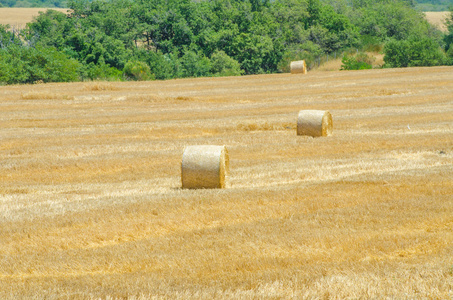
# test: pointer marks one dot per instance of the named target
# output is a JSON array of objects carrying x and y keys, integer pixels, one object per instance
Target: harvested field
[
  {"x": 438, "y": 18},
  {"x": 91, "y": 204},
  {"x": 19, "y": 17}
]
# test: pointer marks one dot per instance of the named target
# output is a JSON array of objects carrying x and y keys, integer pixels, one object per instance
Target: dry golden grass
[
  {"x": 331, "y": 65},
  {"x": 335, "y": 64},
  {"x": 19, "y": 17},
  {"x": 438, "y": 18},
  {"x": 91, "y": 205}
]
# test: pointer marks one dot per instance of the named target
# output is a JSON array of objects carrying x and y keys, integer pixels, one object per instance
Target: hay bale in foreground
[
  {"x": 314, "y": 123},
  {"x": 204, "y": 166},
  {"x": 298, "y": 67}
]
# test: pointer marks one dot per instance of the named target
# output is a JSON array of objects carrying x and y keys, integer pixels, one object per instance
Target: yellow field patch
[
  {"x": 438, "y": 18},
  {"x": 91, "y": 204},
  {"x": 18, "y": 17}
]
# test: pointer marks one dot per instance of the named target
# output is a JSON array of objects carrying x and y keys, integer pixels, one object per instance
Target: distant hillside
[
  {"x": 434, "y": 5},
  {"x": 422, "y": 5},
  {"x": 34, "y": 3}
]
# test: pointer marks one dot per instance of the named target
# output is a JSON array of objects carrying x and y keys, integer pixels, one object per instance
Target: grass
[
  {"x": 91, "y": 205},
  {"x": 336, "y": 64}
]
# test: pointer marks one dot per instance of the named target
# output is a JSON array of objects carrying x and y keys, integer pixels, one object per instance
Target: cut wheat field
[
  {"x": 19, "y": 17},
  {"x": 438, "y": 19},
  {"x": 91, "y": 204}
]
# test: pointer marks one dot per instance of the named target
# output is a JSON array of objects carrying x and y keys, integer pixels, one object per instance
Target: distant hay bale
[
  {"x": 204, "y": 166},
  {"x": 314, "y": 123},
  {"x": 298, "y": 67}
]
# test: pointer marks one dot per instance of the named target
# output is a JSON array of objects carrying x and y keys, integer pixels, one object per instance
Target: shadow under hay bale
[
  {"x": 314, "y": 123},
  {"x": 204, "y": 166},
  {"x": 298, "y": 67}
]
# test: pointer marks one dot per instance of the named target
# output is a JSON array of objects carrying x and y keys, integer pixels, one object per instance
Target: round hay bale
[
  {"x": 298, "y": 67},
  {"x": 314, "y": 123},
  {"x": 204, "y": 166}
]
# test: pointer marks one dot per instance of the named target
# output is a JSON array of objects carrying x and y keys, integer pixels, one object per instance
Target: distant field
[
  {"x": 19, "y": 17},
  {"x": 91, "y": 205},
  {"x": 438, "y": 19}
]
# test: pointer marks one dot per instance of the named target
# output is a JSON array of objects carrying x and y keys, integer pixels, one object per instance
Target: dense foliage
[
  {"x": 449, "y": 38},
  {"x": 421, "y": 5},
  {"x": 29, "y": 64},
  {"x": 413, "y": 52},
  {"x": 157, "y": 39}
]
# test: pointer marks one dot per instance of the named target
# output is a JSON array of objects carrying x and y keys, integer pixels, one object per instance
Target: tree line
[
  {"x": 34, "y": 3},
  {"x": 164, "y": 39},
  {"x": 434, "y": 5},
  {"x": 421, "y": 5}
]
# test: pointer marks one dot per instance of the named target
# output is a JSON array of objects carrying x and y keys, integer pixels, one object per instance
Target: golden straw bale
[
  {"x": 204, "y": 166},
  {"x": 298, "y": 67},
  {"x": 314, "y": 123}
]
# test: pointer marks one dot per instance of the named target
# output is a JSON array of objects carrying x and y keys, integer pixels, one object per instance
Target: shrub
[
  {"x": 195, "y": 64},
  {"x": 224, "y": 65},
  {"x": 100, "y": 71},
  {"x": 20, "y": 64},
  {"x": 137, "y": 70},
  {"x": 360, "y": 61},
  {"x": 416, "y": 51}
]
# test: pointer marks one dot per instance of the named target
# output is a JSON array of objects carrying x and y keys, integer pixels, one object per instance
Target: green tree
[
  {"x": 20, "y": 64},
  {"x": 334, "y": 31},
  {"x": 416, "y": 51},
  {"x": 163, "y": 66},
  {"x": 137, "y": 70},
  {"x": 224, "y": 65},
  {"x": 254, "y": 52},
  {"x": 449, "y": 35},
  {"x": 195, "y": 64},
  {"x": 49, "y": 28},
  {"x": 390, "y": 20},
  {"x": 8, "y": 37},
  {"x": 314, "y": 11},
  {"x": 291, "y": 17}
]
